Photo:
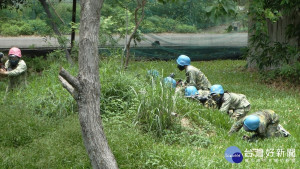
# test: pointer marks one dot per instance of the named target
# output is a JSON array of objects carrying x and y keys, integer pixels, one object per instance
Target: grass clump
[{"x": 156, "y": 103}]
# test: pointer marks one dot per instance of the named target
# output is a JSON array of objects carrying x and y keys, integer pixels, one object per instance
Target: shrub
[
  {"x": 10, "y": 30},
  {"x": 36, "y": 64},
  {"x": 39, "y": 27},
  {"x": 185, "y": 28},
  {"x": 162, "y": 24},
  {"x": 26, "y": 29},
  {"x": 291, "y": 72}
]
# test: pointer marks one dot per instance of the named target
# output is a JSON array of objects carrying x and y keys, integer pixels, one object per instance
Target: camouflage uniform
[
  {"x": 236, "y": 105},
  {"x": 194, "y": 77},
  {"x": 268, "y": 127},
  {"x": 17, "y": 75}
]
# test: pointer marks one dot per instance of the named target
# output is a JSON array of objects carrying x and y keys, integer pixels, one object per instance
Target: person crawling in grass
[
  {"x": 15, "y": 68},
  {"x": 194, "y": 77},
  {"x": 264, "y": 123},
  {"x": 235, "y": 105}
]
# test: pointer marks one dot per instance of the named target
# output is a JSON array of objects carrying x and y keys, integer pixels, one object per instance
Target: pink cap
[{"x": 15, "y": 51}]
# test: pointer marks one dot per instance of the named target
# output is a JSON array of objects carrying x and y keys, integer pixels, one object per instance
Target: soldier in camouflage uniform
[
  {"x": 194, "y": 77},
  {"x": 235, "y": 105},
  {"x": 264, "y": 124},
  {"x": 15, "y": 69}
]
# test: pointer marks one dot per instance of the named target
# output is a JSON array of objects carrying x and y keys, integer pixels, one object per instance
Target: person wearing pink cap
[{"x": 15, "y": 68}]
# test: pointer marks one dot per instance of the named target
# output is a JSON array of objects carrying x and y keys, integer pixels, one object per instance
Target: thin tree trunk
[
  {"x": 251, "y": 64},
  {"x": 85, "y": 89},
  {"x": 141, "y": 5},
  {"x": 55, "y": 29},
  {"x": 74, "y": 21}
]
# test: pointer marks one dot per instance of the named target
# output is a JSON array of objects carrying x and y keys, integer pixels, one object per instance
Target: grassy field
[{"x": 40, "y": 128}]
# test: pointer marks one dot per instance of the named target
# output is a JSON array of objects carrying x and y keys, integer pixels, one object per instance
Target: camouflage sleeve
[
  {"x": 190, "y": 79},
  {"x": 6, "y": 65},
  {"x": 21, "y": 68},
  {"x": 202, "y": 81},
  {"x": 237, "y": 126},
  {"x": 205, "y": 84},
  {"x": 226, "y": 104}
]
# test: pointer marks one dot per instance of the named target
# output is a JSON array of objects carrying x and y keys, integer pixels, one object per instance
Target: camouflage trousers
[
  {"x": 237, "y": 114},
  {"x": 273, "y": 130},
  {"x": 276, "y": 130}
]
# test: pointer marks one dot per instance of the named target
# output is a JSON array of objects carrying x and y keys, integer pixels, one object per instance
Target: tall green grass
[
  {"x": 40, "y": 129},
  {"x": 156, "y": 103}
]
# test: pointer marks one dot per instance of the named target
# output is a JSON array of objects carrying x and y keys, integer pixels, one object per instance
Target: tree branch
[
  {"x": 56, "y": 30},
  {"x": 70, "y": 79},
  {"x": 137, "y": 24},
  {"x": 69, "y": 87}
]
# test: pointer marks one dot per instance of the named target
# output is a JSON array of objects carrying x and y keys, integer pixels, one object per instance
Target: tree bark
[
  {"x": 251, "y": 64},
  {"x": 85, "y": 88},
  {"x": 141, "y": 5},
  {"x": 56, "y": 30}
]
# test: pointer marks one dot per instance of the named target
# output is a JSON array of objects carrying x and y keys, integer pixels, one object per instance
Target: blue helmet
[
  {"x": 190, "y": 91},
  {"x": 170, "y": 81},
  {"x": 154, "y": 73},
  {"x": 183, "y": 60},
  {"x": 252, "y": 122},
  {"x": 216, "y": 89}
]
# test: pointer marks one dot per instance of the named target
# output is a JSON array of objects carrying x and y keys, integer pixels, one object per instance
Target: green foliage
[
  {"x": 36, "y": 64},
  {"x": 283, "y": 59},
  {"x": 39, "y": 27},
  {"x": 20, "y": 27},
  {"x": 185, "y": 136},
  {"x": 11, "y": 30},
  {"x": 217, "y": 9},
  {"x": 179, "y": 16},
  {"x": 162, "y": 24},
  {"x": 189, "y": 12},
  {"x": 155, "y": 106},
  {"x": 274, "y": 59},
  {"x": 185, "y": 29}
]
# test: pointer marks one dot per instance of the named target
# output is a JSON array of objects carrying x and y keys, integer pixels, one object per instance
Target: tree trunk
[
  {"x": 140, "y": 5},
  {"x": 276, "y": 32},
  {"x": 55, "y": 29},
  {"x": 86, "y": 87},
  {"x": 251, "y": 64},
  {"x": 74, "y": 21}
]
